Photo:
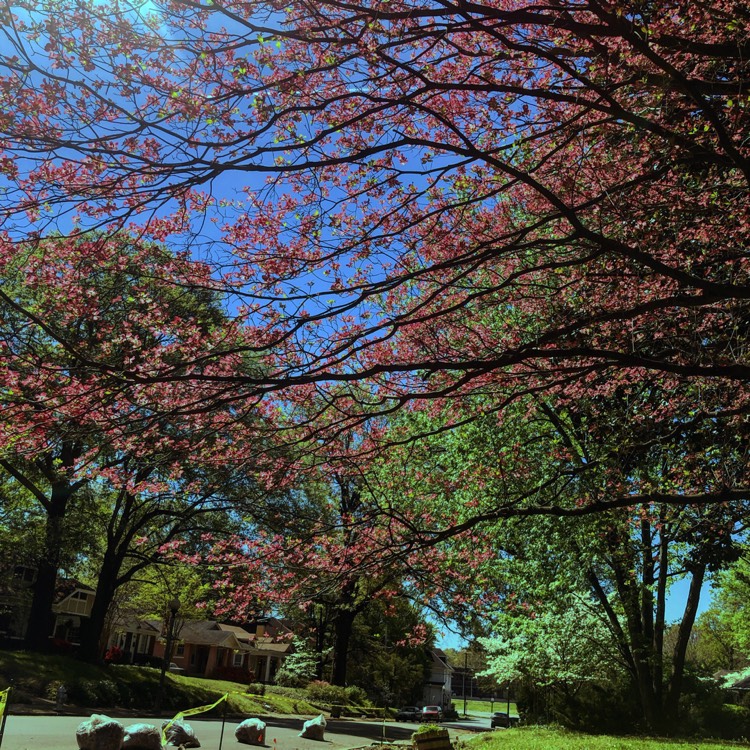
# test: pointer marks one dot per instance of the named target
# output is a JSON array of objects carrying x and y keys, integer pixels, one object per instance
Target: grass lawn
[
  {"x": 38, "y": 676},
  {"x": 536, "y": 738},
  {"x": 474, "y": 706}
]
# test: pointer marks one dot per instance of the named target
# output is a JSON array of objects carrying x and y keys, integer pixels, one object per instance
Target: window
[
  {"x": 239, "y": 657},
  {"x": 78, "y": 603}
]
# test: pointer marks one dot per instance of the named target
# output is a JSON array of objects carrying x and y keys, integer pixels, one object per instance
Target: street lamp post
[{"x": 174, "y": 606}]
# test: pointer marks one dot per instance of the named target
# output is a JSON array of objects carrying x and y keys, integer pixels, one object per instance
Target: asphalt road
[{"x": 282, "y": 733}]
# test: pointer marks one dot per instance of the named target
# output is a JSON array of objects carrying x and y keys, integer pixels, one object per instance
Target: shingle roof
[
  {"x": 212, "y": 633},
  {"x": 207, "y": 633},
  {"x": 67, "y": 586},
  {"x": 240, "y": 633},
  {"x": 269, "y": 645},
  {"x": 132, "y": 624}
]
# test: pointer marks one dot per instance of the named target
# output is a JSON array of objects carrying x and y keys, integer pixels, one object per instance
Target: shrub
[
  {"x": 299, "y": 666},
  {"x": 606, "y": 707},
  {"x": 356, "y": 696},
  {"x": 703, "y": 711},
  {"x": 84, "y": 692},
  {"x": 427, "y": 729},
  {"x": 50, "y": 692},
  {"x": 286, "y": 678},
  {"x": 101, "y": 693},
  {"x": 729, "y": 722},
  {"x": 22, "y": 696},
  {"x": 109, "y": 693},
  {"x": 114, "y": 655},
  {"x": 322, "y": 692}
]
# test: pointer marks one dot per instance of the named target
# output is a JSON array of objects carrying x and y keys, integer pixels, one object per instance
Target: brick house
[{"x": 205, "y": 647}]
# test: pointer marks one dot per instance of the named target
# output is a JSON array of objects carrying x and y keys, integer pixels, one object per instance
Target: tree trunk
[
  {"x": 41, "y": 620},
  {"x": 661, "y": 606},
  {"x": 649, "y": 577},
  {"x": 321, "y": 633},
  {"x": 614, "y": 623},
  {"x": 93, "y": 628},
  {"x": 683, "y": 640},
  {"x": 641, "y": 646},
  {"x": 342, "y": 634}
]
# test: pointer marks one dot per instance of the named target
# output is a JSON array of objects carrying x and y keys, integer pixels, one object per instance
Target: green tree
[
  {"x": 474, "y": 659},
  {"x": 551, "y": 462},
  {"x": 86, "y": 451},
  {"x": 137, "y": 526},
  {"x": 299, "y": 666},
  {"x": 724, "y": 629},
  {"x": 383, "y": 660},
  {"x": 336, "y": 597},
  {"x": 560, "y": 648}
]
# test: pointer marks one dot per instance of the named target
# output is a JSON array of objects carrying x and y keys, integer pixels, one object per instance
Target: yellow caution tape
[
  {"x": 3, "y": 700},
  {"x": 189, "y": 712},
  {"x": 203, "y": 709}
]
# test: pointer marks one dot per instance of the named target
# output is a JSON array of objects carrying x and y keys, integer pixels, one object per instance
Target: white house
[
  {"x": 73, "y": 603},
  {"x": 438, "y": 687}
]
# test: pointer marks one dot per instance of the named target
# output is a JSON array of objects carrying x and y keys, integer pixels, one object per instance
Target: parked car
[
  {"x": 432, "y": 713},
  {"x": 501, "y": 719},
  {"x": 409, "y": 713}
]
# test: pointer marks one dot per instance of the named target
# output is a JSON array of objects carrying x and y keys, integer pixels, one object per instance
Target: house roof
[
  {"x": 271, "y": 626},
  {"x": 67, "y": 586},
  {"x": 440, "y": 657},
  {"x": 734, "y": 680},
  {"x": 240, "y": 633},
  {"x": 211, "y": 633},
  {"x": 269, "y": 645},
  {"x": 13, "y": 582},
  {"x": 208, "y": 633},
  {"x": 131, "y": 624}
]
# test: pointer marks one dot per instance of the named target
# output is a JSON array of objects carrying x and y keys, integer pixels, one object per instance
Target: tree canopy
[
  {"x": 503, "y": 198},
  {"x": 94, "y": 462},
  {"x": 521, "y": 226}
]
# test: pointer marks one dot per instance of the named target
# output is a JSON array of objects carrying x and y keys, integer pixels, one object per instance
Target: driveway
[{"x": 58, "y": 733}]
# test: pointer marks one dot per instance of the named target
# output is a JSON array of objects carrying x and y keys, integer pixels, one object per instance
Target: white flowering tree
[
  {"x": 299, "y": 666},
  {"x": 562, "y": 646}
]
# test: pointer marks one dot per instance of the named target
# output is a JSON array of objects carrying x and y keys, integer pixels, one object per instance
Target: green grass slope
[{"x": 36, "y": 678}]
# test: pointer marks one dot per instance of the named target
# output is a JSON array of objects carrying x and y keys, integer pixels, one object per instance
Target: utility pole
[
  {"x": 466, "y": 669},
  {"x": 507, "y": 703}
]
